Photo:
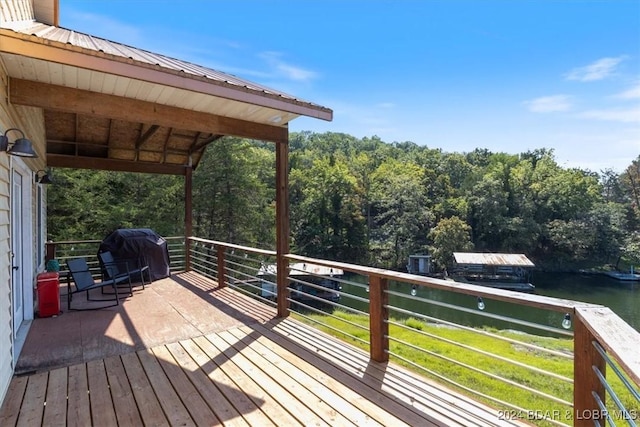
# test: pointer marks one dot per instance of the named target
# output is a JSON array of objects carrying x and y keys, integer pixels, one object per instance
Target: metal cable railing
[
  {"x": 620, "y": 410},
  {"x": 434, "y": 340}
]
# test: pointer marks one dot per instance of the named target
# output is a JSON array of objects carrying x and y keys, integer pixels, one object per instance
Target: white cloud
[
  {"x": 633, "y": 93},
  {"x": 598, "y": 70},
  {"x": 549, "y": 104},
  {"x": 289, "y": 71},
  {"x": 625, "y": 116}
]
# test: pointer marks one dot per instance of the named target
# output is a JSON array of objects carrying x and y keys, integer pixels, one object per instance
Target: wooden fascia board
[
  {"x": 77, "y": 162},
  {"x": 59, "y": 98},
  {"x": 61, "y": 53}
]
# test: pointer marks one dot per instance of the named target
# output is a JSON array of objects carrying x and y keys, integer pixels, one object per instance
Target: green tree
[
  {"x": 448, "y": 236},
  {"x": 234, "y": 193},
  {"x": 327, "y": 220},
  {"x": 402, "y": 216}
]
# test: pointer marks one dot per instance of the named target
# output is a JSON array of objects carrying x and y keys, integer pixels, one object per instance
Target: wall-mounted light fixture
[
  {"x": 21, "y": 147},
  {"x": 43, "y": 177}
]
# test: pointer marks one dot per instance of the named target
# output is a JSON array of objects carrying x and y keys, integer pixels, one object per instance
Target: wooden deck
[{"x": 242, "y": 368}]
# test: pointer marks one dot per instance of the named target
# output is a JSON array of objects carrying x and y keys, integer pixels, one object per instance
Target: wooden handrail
[
  {"x": 529, "y": 300},
  {"x": 615, "y": 335},
  {"x": 232, "y": 246}
]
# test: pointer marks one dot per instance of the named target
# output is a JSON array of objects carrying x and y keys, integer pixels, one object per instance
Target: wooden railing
[
  {"x": 88, "y": 249},
  {"x": 601, "y": 339}
]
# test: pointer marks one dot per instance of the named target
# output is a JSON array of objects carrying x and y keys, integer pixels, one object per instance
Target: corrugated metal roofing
[
  {"x": 474, "y": 258},
  {"x": 97, "y": 44}
]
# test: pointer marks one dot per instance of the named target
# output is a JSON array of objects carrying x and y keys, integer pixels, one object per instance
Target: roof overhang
[{"x": 137, "y": 112}]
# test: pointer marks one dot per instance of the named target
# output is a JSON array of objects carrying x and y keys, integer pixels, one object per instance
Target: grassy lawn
[{"x": 438, "y": 343}]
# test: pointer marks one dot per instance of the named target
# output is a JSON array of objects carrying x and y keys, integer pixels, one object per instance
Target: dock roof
[{"x": 475, "y": 258}]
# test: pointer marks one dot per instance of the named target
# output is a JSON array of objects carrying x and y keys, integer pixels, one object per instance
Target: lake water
[{"x": 621, "y": 297}]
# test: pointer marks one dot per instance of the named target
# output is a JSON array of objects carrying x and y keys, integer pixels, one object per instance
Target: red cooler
[{"x": 48, "y": 294}]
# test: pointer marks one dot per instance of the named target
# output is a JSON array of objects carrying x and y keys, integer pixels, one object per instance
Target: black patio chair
[
  {"x": 84, "y": 282},
  {"x": 117, "y": 268}
]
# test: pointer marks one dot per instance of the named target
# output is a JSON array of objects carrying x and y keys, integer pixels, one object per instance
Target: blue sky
[{"x": 506, "y": 75}]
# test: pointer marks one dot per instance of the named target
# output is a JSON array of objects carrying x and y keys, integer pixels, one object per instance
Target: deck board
[
  {"x": 243, "y": 410},
  {"x": 102, "y": 410},
  {"x": 13, "y": 402},
  {"x": 123, "y": 399},
  {"x": 276, "y": 385},
  {"x": 314, "y": 380},
  {"x": 169, "y": 400},
  {"x": 32, "y": 409},
  {"x": 212, "y": 397},
  {"x": 298, "y": 391},
  {"x": 55, "y": 412},
  {"x": 78, "y": 413},
  {"x": 197, "y": 407},
  {"x": 240, "y": 367},
  {"x": 148, "y": 405},
  {"x": 382, "y": 377}
]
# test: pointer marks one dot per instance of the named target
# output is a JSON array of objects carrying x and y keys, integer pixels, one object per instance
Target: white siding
[
  {"x": 6, "y": 341},
  {"x": 31, "y": 122}
]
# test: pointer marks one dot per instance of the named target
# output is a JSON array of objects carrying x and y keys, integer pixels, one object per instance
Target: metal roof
[
  {"x": 302, "y": 269},
  {"x": 119, "y": 50},
  {"x": 474, "y": 258},
  {"x": 115, "y": 107}
]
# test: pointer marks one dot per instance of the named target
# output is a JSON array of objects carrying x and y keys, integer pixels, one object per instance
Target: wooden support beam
[
  {"x": 59, "y": 98},
  {"x": 188, "y": 214},
  {"x": 378, "y": 316},
  {"x": 585, "y": 359},
  {"x": 282, "y": 226},
  {"x": 147, "y": 134},
  {"x": 76, "y": 162},
  {"x": 221, "y": 267}
]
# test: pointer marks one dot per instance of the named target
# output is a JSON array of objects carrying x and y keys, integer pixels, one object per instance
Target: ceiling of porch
[{"x": 114, "y": 107}]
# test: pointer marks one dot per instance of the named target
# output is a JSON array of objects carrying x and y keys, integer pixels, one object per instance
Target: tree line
[{"x": 370, "y": 202}]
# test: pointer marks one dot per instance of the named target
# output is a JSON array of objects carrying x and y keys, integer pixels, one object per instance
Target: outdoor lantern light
[
  {"x": 480, "y": 303},
  {"x": 414, "y": 290},
  {"x": 566, "y": 322},
  {"x": 21, "y": 147},
  {"x": 43, "y": 177}
]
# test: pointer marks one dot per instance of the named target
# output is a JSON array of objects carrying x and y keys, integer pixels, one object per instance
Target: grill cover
[{"x": 134, "y": 243}]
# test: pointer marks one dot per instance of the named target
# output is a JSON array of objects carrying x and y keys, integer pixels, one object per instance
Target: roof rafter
[
  {"x": 43, "y": 95},
  {"x": 62, "y": 161}
]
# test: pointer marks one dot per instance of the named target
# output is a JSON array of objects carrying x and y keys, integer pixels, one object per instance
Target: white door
[
  {"x": 17, "y": 261},
  {"x": 21, "y": 245}
]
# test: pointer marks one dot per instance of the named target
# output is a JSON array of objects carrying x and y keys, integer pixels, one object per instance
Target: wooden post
[
  {"x": 378, "y": 316},
  {"x": 585, "y": 408},
  {"x": 221, "y": 280},
  {"x": 188, "y": 215},
  {"x": 49, "y": 251},
  {"x": 282, "y": 226}
]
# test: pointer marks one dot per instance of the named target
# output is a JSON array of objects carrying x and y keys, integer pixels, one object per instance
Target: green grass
[{"x": 425, "y": 335}]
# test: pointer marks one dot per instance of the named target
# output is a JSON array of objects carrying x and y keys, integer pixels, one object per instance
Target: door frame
[{"x": 23, "y": 261}]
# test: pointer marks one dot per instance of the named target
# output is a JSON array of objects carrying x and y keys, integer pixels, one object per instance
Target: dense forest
[{"x": 374, "y": 203}]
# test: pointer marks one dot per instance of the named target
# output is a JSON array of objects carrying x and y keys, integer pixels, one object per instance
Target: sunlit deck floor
[{"x": 184, "y": 352}]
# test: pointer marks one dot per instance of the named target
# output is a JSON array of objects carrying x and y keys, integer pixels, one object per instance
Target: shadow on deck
[{"x": 184, "y": 352}]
